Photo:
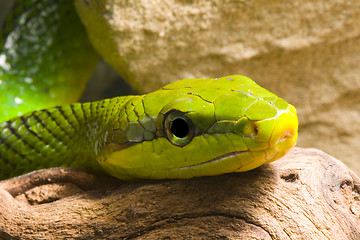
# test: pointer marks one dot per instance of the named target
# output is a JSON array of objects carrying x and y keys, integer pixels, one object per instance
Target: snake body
[
  {"x": 189, "y": 128},
  {"x": 46, "y": 58}
]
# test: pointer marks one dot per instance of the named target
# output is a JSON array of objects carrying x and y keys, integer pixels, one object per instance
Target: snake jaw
[
  {"x": 273, "y": 139},
  {"x": 241, "y": 161},
  {"x": 229, "y": 137},
  {"x": 281, "y": 139}
]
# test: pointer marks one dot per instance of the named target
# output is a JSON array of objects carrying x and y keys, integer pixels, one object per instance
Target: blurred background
[
  {"x": 305, "y": 51},
  {"x": 105, "y": 81}
]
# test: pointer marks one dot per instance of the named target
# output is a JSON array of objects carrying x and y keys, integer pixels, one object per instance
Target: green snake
[
  {"x": 45, "y": 57},
  {"x": 189, "y": 128}
]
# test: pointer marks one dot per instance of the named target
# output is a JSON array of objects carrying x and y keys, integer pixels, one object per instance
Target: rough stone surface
[
  {"x": 305, "y": 195},
  {"x": 305, "y": 51}
]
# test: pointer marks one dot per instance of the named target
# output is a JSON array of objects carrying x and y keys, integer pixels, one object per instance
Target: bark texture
[
  {"x": 305, "y": 195},
  {"x": 305, "y": 51}
]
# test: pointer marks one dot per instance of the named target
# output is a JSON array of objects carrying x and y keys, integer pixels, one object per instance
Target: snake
[{"x": 188, "y": 128}]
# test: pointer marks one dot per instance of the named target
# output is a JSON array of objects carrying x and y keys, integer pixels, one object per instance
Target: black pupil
[{"x": 179, "y": 128}]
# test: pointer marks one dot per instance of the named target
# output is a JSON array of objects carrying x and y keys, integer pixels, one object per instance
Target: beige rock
[
  {"x": 307, "y": 52},
  {"x": 305, "y": 195}
]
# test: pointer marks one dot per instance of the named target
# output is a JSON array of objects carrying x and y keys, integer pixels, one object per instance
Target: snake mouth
[
  {"x": 227, "y": 155},
  {"x": 241, "y": 161},
  {"x": 216, "y": 159},
  {"x": 235, "y": 152}
]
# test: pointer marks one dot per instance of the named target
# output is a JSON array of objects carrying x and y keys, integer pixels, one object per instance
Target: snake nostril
[
  {"x": 253, "y": 129},
  {"x": 256, "y": 130},
  {"x": 246, "y": 127}
]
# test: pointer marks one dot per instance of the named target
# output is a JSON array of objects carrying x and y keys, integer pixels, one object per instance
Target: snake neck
[{"x": 68, "y": 136}]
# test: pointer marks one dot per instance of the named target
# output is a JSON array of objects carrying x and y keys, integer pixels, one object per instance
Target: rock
[
  {"x": 305, "y": 195},
  {"x": 305, "y": 51}
]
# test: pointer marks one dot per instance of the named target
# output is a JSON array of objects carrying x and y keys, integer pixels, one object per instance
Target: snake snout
[
  {"x": 285, "y": 130},
  {"x": 288, "y": 134},
  {"x": 275, "y": 135},
  {"x": 284, "y": 134}
]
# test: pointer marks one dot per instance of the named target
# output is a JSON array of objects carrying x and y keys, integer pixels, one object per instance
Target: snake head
[{"x": 200, "y": 127}]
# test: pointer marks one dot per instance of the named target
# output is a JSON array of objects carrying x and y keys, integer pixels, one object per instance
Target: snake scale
[{"x": 189, "y": 128}]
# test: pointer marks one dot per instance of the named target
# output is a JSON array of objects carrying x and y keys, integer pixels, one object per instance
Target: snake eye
[{"x": 179, "y": 129}]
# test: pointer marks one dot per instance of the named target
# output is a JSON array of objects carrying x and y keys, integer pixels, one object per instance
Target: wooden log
[{"x": 305, "y": 195}]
